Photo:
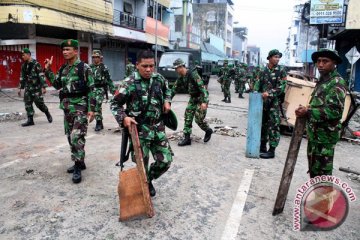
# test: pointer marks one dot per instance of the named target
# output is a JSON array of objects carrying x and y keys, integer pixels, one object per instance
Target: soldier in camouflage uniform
[
  {"x": 254, "y": 77},
  {"x": 130, "y": 68},
  {"x": 324, "y": 113},
  {"x": 198, "y": 102},
  {"x": 147, "y": 96},
  {"x": 225, "y": 81},
  {"x": 33, "y": 81},
  {"x": 77, "y": 99},
  {"x": 103, "y": 82},
  {"x": 241, "y": 75},
  {"x": 271, "y": 83}
]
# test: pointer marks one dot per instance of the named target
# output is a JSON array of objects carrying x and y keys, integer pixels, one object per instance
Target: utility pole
[
  {"x": 156, "y": 36},
  {"x": 184, "y": 22}
]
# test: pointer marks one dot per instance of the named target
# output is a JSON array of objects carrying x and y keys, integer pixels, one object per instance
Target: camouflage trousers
[
  {"x": 270, "y": 129},
  {"x": 99, "y": 95},
  {"x": 227, "y": 85},
  {"x": 75, "y": 124},
  {"x": 192, "y": 110},
  {"x": 162, "y": 154},
  {"x": 36, "y": 97},
  {"x": 241, "y": 87},
  {"x": 320, "y": 158},
  {"x": 237, "y": 84}
]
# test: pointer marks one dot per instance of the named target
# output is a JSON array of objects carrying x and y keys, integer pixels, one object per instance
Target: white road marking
[
  {"x": 233, "y": 222},
  {"x": 7, "y": 164}
]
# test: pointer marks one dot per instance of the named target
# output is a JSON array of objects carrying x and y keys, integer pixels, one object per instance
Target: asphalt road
[{"x": 211, "y": 191}]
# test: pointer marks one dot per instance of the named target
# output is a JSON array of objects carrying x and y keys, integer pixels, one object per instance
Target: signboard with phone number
[{"x": 326, "y": 11}]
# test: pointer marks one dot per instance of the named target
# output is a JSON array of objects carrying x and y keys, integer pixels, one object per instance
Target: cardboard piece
[{"x": 133, "y": 190}]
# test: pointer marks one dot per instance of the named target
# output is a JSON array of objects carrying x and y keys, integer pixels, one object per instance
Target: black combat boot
[
  {"x": 208, "y": 133},
  {"x": 81, "y": 165},
  {"x": 49, "y": 117},
  {"x": 224, "y": 100},
  {"x": 240, "y": 95},
  {"x": 152, "y": 190},
  {"x": 228, "y": 100},
  {"x": 99, "y": 125},
  {"x": 263, "y": 148},
  {"x": 268, "y": 154},
  {"x": 77, "y": 173},
  {"x": 185, "y": 141},
  {"x": 29, "y": 122}
]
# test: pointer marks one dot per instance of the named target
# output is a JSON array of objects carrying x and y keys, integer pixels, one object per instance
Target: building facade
[{"x": 119, "y": 28}]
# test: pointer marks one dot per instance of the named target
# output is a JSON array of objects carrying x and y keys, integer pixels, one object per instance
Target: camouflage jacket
[
  {"x": 326, "y": 109},
  {"x": 130, "y": 68},
  {"x": 240, "y": 73},
  {"x": 225, "y": 73},
  {"x": 32, "y": 77},
  {"x": 102, "y": 77},
  {"x": 272, "y": 81},
  {"x": 147, "y": 114},
  {"x": 70, "y": 83},
  {"x": 194, "y": 84}
]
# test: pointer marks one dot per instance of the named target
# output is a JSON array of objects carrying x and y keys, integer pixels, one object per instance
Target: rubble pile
[
  {"x": 177, "y": 136},
  {"x": 16, "y": 116},
  {"x": 214, "y": 121},
  {"x": 228, "y": 131}
]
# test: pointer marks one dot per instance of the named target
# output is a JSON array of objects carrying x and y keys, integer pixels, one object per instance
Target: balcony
[{"x": 128, "y": 21}]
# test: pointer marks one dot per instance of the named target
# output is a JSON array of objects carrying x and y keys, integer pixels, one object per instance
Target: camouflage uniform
[
  {"x": 324, "y": 126},
  {"x": 130, "y": 69},
  {"x": 225, "y": 81},
  {"x": 76, "y": 99},
  {"x": 241, "y": 76},
  {"x": 254, "y": 76},
  {"x": 32, "y": 79},
  {"x": 151, "y": 127},
  {"x": 273, "y": 82},
  {"x": 198, "y": 95},
  {"x": 103, "y": 82}
]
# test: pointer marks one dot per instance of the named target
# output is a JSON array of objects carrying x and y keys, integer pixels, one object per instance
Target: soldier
[
  {"x": 147, "y": 96},
  {"x": 103, "y": 82},
  {"x": 271, "y": 83},
  {"x": 324, "y": 113},
  {"x": 77, "y": 99},
  {"x": 225, "y": 81},
  {"x": 241, "y": 76},
  {"x": 33, "y": 81},
  {"x": 198, "y": 102},
  {"x": 130, "y": 68},
  {"x": 254, "y": 77}
]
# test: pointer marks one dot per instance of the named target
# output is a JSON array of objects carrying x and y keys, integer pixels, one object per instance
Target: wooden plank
[
  {"x": 253, "y": 135},
  {"x": 289, "y": 165},
  {"x": 133, "y": 190}
]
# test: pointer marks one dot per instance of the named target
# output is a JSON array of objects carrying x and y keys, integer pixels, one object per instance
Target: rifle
[
  {"x": 106, "y": 92},
  {"x": 124, "y": 152}
]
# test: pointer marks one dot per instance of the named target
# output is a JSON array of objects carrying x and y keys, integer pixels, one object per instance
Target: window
[
  {"x": 128, "y": 8},
  {"x": 178, "y": 23}
]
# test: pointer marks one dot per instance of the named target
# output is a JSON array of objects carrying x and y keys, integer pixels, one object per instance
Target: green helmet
[
  {"x": 325, "y": 52},
  {"x": 170, "y": 120},
  {"x": 178, "y": 63},
  {"x": 273, "y": 53}
]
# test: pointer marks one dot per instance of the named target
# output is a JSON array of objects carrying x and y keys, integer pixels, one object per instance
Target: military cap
[
  {"x": 96, "y": 53},
  {"x": 26, "y": 50},
  {"x": 226, "y": 61},
  {"x": 170, "y": 120},
  {"x": 273, "y": 53},
  {"x": 178, "y": 63},
  {"x": 328, "y": 53},
  {"x": 69, "y": 43}
]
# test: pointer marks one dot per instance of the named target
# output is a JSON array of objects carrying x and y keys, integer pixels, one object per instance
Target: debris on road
[
  {"x": 16, "y": 116},
  {"x": 214, "y": 121},
  {"x": 228, "y": 131}
]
